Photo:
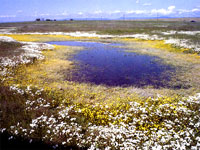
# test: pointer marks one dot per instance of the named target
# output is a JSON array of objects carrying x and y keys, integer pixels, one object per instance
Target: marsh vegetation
[{"x": 42, "y": 105}]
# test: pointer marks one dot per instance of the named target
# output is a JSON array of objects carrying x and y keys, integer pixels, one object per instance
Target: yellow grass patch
[
  {"x": 167, "y": 52},
  {"x": 43, "y": 38}
]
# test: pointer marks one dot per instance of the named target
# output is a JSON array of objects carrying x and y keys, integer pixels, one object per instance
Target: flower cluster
[
  {"x": 30, "y": 52},
  {"x": 157, "y": 123},
  {"x": 183, "y": 43}
]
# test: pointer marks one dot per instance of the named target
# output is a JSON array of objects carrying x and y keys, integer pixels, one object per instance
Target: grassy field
[
  {"x": 42, "y": 105},
  {"x": 112, "y": 27}
]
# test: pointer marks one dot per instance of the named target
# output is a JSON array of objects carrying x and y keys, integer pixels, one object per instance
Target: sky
[{"x": 29, "y": 10}]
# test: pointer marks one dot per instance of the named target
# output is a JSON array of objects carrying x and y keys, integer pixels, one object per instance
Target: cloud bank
[{"x": 170, "y": 11}]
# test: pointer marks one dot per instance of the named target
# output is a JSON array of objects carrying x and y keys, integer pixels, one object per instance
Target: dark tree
[{"x": 38, "y": 19}]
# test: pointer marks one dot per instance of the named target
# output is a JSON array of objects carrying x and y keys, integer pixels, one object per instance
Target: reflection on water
[{"x": 110, "y": 65}]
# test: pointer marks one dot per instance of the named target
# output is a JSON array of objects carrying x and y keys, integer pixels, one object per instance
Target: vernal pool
[{"x": 109, "y": 64}]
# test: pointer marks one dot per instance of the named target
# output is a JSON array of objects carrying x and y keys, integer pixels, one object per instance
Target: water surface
[{"x": 107, "y": 64}]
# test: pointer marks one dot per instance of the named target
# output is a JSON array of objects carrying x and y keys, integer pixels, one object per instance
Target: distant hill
[
  {"x": 197, "y": 19},
  {"x": 86, "y": 19},
  {"x": 164, "y": 18}
]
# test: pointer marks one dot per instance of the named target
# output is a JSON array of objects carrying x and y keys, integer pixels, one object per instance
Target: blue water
[{"x": 110, "y": 65}]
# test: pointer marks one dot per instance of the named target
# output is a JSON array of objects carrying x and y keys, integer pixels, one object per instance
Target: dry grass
[
  {"x": 187, "y": 65},
  {"x": 9, "y": 49},
  {"x": 110, "y": 26}
]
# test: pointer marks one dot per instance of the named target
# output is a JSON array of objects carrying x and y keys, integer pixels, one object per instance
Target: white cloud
[
  {"x": 147, "y": 4},
  {"x": 163, "y": 11},
  {"x": 7, "y": 16},
  {"x": 137, "y": 1},
  {"x": 130, "y": 11},
  {"x": 98, "y": 12},
  {"x": 136, "y": 12},
  {"x": 80, "y": 13},
  {"x": 116, "y": 11},
  {"x": 64, "y": 13},
  {"x": 171, "y": 8},
  {"x": 180, "y": 11},
  {"x": 195, "y": 10}
]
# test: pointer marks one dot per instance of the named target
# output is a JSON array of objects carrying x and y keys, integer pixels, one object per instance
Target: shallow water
[{"x": 110, "y": 65}]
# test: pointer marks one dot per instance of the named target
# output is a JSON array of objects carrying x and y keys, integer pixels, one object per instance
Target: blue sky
[{"x": 25, "y": 10}]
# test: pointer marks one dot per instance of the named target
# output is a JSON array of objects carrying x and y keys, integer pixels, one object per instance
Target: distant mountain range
[{"x": 133, "y": 16}]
